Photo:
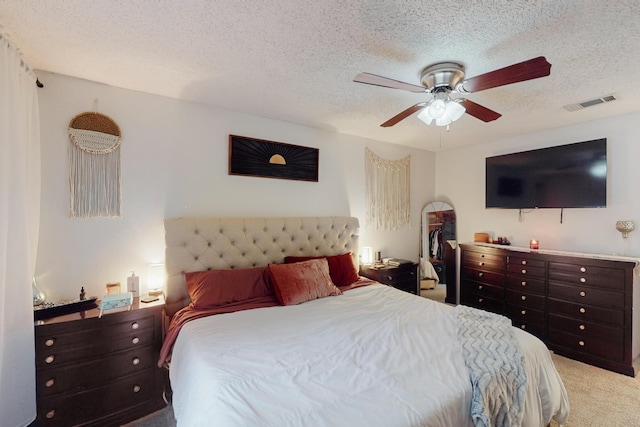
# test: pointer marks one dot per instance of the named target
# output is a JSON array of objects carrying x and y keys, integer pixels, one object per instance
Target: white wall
[
  {"x": 174, "y": 163},
  {"x": 460, "y": 179}
]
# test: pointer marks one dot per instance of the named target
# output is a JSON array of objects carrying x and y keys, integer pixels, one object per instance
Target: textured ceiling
[{"x": 295, "y": 60}]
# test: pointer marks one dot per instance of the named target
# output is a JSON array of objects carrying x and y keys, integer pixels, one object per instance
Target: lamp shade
[{"x": 443, "y": 110}]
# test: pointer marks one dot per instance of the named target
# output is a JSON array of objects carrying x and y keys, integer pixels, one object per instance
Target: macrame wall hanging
[
  {"x": 94, "y": 166},
  {"x": 388, "y": 191}
]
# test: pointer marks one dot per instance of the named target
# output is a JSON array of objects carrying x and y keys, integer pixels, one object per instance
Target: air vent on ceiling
[{"x": 591, "y": 102}]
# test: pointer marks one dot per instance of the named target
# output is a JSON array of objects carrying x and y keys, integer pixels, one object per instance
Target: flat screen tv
[{"x": 566, "y": 176}]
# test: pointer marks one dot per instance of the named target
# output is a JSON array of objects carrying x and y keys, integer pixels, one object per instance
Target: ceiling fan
[{"x": 444, "y": 78}]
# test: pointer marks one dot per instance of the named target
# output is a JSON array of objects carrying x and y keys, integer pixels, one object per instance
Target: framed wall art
[{"x": 257, "y": 157}]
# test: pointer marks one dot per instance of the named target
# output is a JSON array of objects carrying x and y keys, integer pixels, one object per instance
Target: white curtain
[{"x": 19, "y": 227}]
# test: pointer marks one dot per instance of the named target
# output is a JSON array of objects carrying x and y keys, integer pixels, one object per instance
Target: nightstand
[
  {"x": 403, "y": 277},
  {"x": 99, "y": 371}
]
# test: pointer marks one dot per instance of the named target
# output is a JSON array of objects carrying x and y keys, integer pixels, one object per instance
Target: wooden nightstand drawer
[
  {"x": 525, "y": 261},
  {"x": 86, "y": 405},
  {"x": 526, "y": 271},
  {"x": 95, "y": 371},
  {"x": 403, "y": 277},
  {"x": 586, "y": 275},
  {"x": 611, "y": 349}
]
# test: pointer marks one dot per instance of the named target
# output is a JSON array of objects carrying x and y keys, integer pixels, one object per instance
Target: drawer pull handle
[
  {"x": 136, "y": 361},
  {"x": 50, "y": 382},
  {"x": 50, "y": 342},
  {"x": 480, "y": 299},
  {"x": 51, "y": 414},
  {"x": 523, "y": 297},
  {"x": 524, "y": 271},
  {"x": 479, "y": 286},
  {"x": 135, "y": 340},
  {"x": 583, "y": 293},
  {"x": 582, "y": 327},
  {"x": 480, "y": 274},
  {"x": 583, "y": 270},
  {"x": 524, "y": 262},
  {"x": 583, "y": 310},
  {"x": 136, "y": 388},
  {"x": 482, "y": 256},
  {"x": 135, "y": 325},
  {"x": 389, "y": 277},
  {"x": 583, "y": 280},
  {"x": 523, "y": 283},
  {"x": 581, "y": 343},
  {"x": 481, "y": 263},
  {"x": 49, "y": 359},
  {"x": 523, "y": 326},
  {"x": 523, "y": 312}
]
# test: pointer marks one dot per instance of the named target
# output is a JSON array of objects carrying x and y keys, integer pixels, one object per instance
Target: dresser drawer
[
  {"x": 482, "y": 302},
  {"x": 586, "y": 312},
  {"x": 526, "y": 271},
  {"x": 585, "y": 329},
  {"x": 93, "y": 338},
  {"x": 77, "y": 376},
  {"x": 483, "y": 276},
  {"x": 524, "y": 299},
  {"x": 610, "y": 349},
  {"x": 533, "y": 328},
  {"x": 64, "y": 410},
  {"x": 611, "y": 278},
  {"x": 482, "y": 289},
  {"x": 586, "y": 295},
  {"x": 527, "y": 284},
  {"x": 525, "y": 262},
  {"x": 485, "y": 262},
  {"x": 521, "y": 314}
]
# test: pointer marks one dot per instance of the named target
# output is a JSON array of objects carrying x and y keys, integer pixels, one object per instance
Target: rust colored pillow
[
  {"x": 341, "y": 267},
  {"x": 214, "y": 288},
  {"x": 302, "y": 281}
]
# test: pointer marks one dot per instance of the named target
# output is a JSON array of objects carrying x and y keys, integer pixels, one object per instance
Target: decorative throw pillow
[
  {"x": 214, "y": 288},
  {"x": 302, "y": 281},
  {"x": 341, "y": 267}
]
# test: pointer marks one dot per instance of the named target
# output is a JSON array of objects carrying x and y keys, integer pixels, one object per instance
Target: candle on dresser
[{"x": 533, "y": 244}]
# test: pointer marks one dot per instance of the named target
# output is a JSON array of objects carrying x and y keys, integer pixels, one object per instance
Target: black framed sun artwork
[{"x": 269, "y": 159}]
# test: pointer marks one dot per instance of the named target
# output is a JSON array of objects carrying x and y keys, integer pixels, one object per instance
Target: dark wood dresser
[
  {"x": 93, "y": 371},
  {"x": 580, "y": 305},
  {"x": 403, "y": 277}
]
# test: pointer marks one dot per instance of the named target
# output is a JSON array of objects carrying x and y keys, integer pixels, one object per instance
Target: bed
[{"x": 366, "y": 354}]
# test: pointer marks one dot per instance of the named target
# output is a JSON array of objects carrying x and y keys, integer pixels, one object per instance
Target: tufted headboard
[{"x": 198, "y": 244}]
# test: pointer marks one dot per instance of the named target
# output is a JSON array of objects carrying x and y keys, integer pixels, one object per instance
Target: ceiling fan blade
[
  {"x": 527, "y": 70},
  {"x": 478, "y": 111},
  {"x": 372, "y": 79},
  {"x": 403, "y": 115}
]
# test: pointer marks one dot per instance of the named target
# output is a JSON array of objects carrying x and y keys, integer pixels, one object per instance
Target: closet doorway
[{"x": 438, "y": 251}]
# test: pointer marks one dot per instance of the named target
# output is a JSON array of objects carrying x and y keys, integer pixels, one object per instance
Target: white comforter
[{"x": 374, "y": 356}]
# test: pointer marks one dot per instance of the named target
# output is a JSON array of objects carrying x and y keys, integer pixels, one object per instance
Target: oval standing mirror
[{"x": 438, "y": 253}]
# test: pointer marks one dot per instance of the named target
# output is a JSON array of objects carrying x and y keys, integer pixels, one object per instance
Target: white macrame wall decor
[
  {"x": 94, "y": 166},
  {"x": 388, "y": 191}
]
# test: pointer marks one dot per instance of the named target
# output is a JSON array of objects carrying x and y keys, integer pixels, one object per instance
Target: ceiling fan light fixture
[
  {"x": 443, "y": 110},
  {"x": 454, "y": 110},
  {"x": 436, "y": 108},
  {"x": 424, "y": 116}
]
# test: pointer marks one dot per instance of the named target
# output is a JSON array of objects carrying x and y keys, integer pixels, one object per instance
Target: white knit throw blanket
[
  {"x": 388, "y": 191},
  {"x": 496, "y": 367}
]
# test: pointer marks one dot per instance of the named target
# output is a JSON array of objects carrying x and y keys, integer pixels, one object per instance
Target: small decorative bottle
[
  {"x": 38, "y": 296},
  {"x": 82, "y": 294}
]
